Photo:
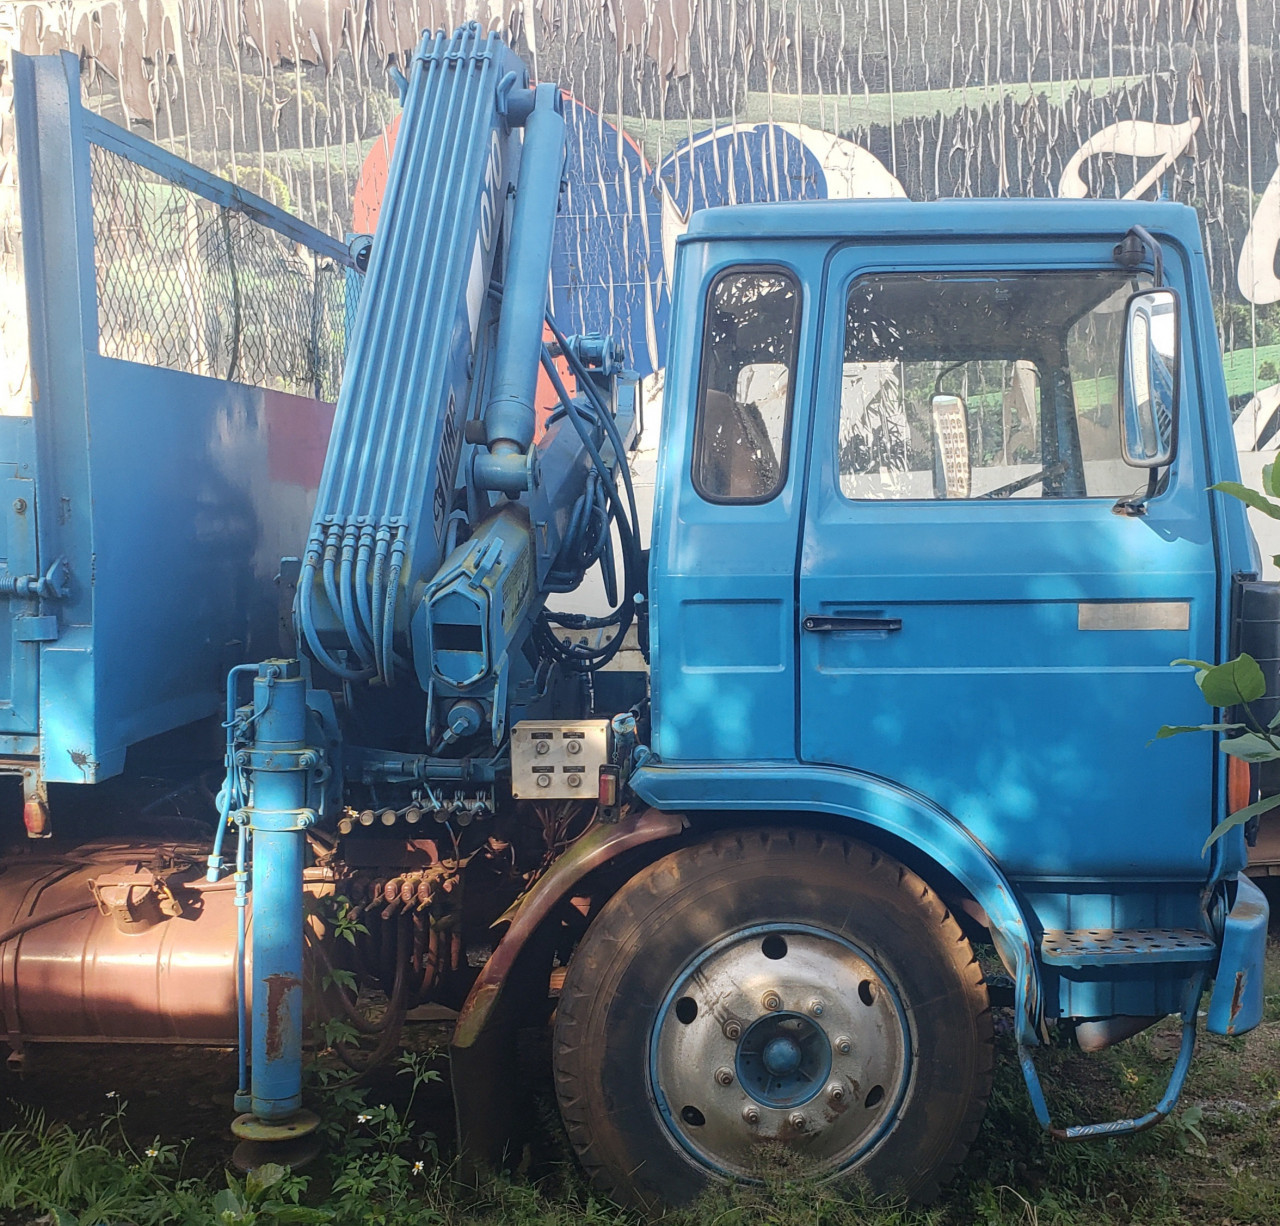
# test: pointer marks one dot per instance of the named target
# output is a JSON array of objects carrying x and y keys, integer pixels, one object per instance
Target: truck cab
[
  {"x": 897, "y": 533},
  {"x": 932, "y": 521}
]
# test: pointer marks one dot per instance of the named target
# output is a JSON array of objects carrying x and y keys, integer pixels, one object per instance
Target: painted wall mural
[{"x": 681, "y": 104}]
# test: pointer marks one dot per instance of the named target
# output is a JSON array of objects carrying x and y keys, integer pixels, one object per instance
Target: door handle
[{"x": 829, "y": 625}]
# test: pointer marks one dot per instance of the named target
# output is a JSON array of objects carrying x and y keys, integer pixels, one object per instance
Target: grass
[
  {"x": 1238, "y": 366},
  {"x": 834, "y": 112},
  {"x": 1217, "y": 1161}
]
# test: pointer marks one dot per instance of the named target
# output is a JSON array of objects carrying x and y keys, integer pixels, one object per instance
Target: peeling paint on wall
[{"x": 685, "y": 103}]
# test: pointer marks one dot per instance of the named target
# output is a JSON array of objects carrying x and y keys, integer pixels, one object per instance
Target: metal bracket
[
  {"x": 1114, "y": 1128},
  {"x": 278, "y": 759}
]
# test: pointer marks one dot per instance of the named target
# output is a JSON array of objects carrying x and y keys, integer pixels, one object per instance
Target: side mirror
[
  {"x": 1149, "y": 368},
  {"x": 952, "y": 469}
]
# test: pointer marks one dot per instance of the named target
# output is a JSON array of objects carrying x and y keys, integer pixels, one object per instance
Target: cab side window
[
  {"x": 746, "y": 385},
  {"x": 984, "y": 386}
]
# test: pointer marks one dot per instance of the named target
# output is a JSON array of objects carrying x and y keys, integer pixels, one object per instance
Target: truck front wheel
[{"x": 781, "y": 998}]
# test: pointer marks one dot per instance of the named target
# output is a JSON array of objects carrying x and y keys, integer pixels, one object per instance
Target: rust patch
[
  {"x": 1237, "y": 1000},
  {"x": 278, "y": 989}
]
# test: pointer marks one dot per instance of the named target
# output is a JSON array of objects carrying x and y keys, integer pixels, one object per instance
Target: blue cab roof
[{"x": 944, "y": 218}]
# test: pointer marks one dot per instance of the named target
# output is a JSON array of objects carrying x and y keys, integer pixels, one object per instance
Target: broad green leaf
[
  {"x": 1238, "y": 680},
  {"x": 1238, "y": 818},
  {"x": 258, "y": 1180},
  {"x": 1251, "y": 747},
  {"x": 1269, "y": 480},
  {"x": 1169, "y": 730},
  {"x": 1259, "y": 502},
  {"x": 228, "y": 1204}
]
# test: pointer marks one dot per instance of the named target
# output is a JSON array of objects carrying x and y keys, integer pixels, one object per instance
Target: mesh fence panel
[{"x": 190, "y": 285}]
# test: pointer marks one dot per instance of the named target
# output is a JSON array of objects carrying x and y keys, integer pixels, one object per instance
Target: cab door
[{"x": 976, "y": 621}]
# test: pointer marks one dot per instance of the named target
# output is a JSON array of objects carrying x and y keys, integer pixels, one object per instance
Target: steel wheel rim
[{"x": 779, "y": 1037}]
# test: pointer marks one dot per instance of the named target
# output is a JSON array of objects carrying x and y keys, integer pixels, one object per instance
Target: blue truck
[{"x": 932, "y": 518}]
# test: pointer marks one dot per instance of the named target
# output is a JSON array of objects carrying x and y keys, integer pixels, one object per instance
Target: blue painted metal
[
  {"x": 421, "y": 337},
  {"x": 19, "y": 662},
  {"x": 278, "y": 816},
  {"x": 990, "y": 701},
  {"x": 781, "y": 787},
  {"x": 171, "y": 496},
  {"x": 1235, "y": 1004},
  {"x": 783, "y": 1059},
  {"x": 1192, "y": 992},
  {"x": 509, "y": 414}
]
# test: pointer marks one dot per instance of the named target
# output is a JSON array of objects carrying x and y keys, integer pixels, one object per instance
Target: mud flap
[
  {"x": 483, "y": 1058},
  {"x": 1235, "y": 1004}
]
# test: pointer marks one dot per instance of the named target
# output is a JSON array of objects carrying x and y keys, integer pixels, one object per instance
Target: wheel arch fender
[
  {"x": 482, "y": 1051},
  {"x": 873, "y": 805}
]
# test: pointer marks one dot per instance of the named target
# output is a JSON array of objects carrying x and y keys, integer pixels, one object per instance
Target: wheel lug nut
[
  {"x": 732, "y": 1030},
  {"x": 815, "y": 1007},
  {"x": 797, "y": 1121},
  {"x": 843, "y": 1045},
  {"x": 751, "y": 1115},
  {"x": 724, "y": 1076},
  {"x": 835, "y": 1092},
  {"x": 771, "y": 1000}
]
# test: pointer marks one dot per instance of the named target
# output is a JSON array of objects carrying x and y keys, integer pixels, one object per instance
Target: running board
[{"x": 1108, "y": 947}]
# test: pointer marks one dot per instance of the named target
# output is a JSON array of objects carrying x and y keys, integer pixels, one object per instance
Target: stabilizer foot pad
[
  {"x": 295, "y": 1154},
  {"x": 249, "y": 1127}
]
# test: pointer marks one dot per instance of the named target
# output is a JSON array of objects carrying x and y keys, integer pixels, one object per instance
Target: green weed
[{"x": 1216, "y": 1161}]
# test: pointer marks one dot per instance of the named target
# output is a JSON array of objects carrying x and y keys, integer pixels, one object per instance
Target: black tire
[{"x": 612, "y": 1029}]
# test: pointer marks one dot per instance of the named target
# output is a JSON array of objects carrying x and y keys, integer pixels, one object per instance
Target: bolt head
[
  {"x": 843, "y": 1045},
  {"x": 724, "y": 1076},
  {"x": 835, "y": 1092},
  {"x": 771, "y": 1000},
  {"x": 732, "y": 1030},
  {"x": 815, "y": 1007},
  {"x": 242, "y": 758},
  {"x": 751, "y": 1114},
  {"x": 797, "y": 1121}
]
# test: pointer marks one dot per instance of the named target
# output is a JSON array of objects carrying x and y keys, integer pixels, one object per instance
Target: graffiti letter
[
  {"x": 1132, "y": 138},
  {"x": 1256, "y": 271}
]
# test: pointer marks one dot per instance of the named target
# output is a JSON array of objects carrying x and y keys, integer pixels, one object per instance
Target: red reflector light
[
  {"x": 1239, "y": 784},
  {"x": 608, "y": 795}
]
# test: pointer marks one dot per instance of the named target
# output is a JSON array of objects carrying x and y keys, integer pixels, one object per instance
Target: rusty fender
[{"x": 483, "y": 1046}]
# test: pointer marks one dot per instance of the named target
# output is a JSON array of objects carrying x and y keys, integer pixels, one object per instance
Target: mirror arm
[
  {"x": 1131, "y": 249},
  {"x": 1136, "y": 504}
]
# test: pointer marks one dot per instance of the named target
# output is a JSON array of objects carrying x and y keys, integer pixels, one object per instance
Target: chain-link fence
[{"x": 191, "y": 285}]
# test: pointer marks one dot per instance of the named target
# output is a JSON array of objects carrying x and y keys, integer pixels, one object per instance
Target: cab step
[{"x": 1107, "y": 947}]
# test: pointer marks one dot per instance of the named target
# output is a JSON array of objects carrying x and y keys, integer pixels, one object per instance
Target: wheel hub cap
[
  {"x": 784, "y": 1034},
  {"x": 783, "y": 1059}
]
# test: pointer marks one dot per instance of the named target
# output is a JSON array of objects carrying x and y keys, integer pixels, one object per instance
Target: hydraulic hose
[
  {"x": 36, "y": 921},
  {"x": 306, "y": 616},
  {"x": 347, "y": 600}
]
